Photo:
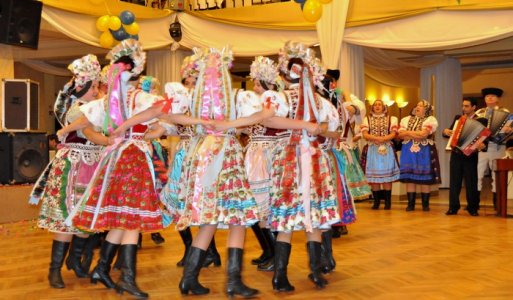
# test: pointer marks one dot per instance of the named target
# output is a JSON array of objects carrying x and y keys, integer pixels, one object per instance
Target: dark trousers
[{"x": 463, "y": 167}]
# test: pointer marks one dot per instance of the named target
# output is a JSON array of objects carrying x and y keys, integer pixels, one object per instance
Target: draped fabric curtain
[
  {"x": 46, "y": 68},
  {"x": 352, "y": 74},
  {"x": 165, "y": 65},
  {"x": 441, "y": 86},
  {"x": 330, "y": 31}
]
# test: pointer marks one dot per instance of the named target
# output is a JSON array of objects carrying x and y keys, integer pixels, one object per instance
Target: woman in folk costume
[
  {"x": 122, "y": 196},
  {"x": 379, "y": 160},
  {"x": 302, "y": 193},
  {"x": 419, "y": 163},
  {"x": 333, "y": 151},
  {"x": 66, "y": 177},
  {"x": 182, "y": 96}
]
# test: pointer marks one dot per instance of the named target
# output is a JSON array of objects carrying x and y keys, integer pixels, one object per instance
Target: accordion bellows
[
  {"x": 467, "y": 135},
  {"x": 497, "y": 124}
]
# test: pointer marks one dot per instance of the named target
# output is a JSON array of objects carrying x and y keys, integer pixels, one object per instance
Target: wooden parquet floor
[{"x": 387, "y": 255}]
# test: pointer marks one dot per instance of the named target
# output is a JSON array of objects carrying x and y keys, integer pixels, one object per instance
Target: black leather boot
[
  {"x": 213, "y": 256},
  {"x": 425, "y": 201},
  {"x": 377, "y": 201},
  {"x": 268, "y": 264},
  {"x": 314, "y": 254},
  {"x": 193, "y": 263},
  {"x": 327, "y": 260},
  {"x": 126, "y": 282},
  {"x": 73, "y": 262},
  {"x": 262, "y": 241},
  {"x": 411, "y": 201},
  {"x": 59, "y": 250},
  {"x": 87, "y": 256},
  {"x": 187, "y": 242},
  {"x": 388, "y": 199},
  {"x": 157, "y": 238},
  {"x": 102, "y": 269},
  {"x": 235, "y": 286},
  {"x": 281, "y": 261}
]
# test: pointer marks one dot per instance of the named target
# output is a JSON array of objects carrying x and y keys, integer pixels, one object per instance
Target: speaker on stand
[{"x": 23, "y": 156}]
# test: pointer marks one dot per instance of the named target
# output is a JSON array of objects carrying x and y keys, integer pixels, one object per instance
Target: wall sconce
[{"x": 401, "y": 105}]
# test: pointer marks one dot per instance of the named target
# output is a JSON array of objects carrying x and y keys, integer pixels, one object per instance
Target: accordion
[
  {"x": 498, "y": 123},
  {"x": 467, "y": 134}
]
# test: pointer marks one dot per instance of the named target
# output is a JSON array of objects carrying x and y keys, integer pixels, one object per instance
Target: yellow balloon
[
  {"x": 96, "y": 2},
  {"x": 114, "y": 23},
  {"x": 132, "y": 29},
  {"x": 106, "y": 39},
  {"x": 312, "y": 11},
  {"x": 102, "y": 24},
  {"x": 325, "y": 1}
]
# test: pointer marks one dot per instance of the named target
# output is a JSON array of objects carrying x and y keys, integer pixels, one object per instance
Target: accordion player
[{"x": 467, "y": 135}]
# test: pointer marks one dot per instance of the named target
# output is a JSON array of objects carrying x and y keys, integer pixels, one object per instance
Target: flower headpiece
[
  {"x": 104, "y": 73},
  {"x": 294, "y": 50},
  {"x": 225, "y": 55},
  {"x": 85, "y": 69},
  {"x": 318, "y": 72},
  {"x": 190, "y": 66},
  {"x": 131, "y": 48},
  {"x": 148, "y": 83},
  {"x": 264, "y": 69}
]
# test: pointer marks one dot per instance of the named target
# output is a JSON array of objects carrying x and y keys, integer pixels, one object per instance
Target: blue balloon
[
  {"x": 127, "y": 17},
  {"x": 119, "y": 34},
  {"x": 135, "y": 37},
  {"x": 300, "y": 2}
]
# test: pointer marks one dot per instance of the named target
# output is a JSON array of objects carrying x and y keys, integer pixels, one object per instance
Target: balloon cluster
[
  {"x": 312, "y": 9},
  {"x": 117, "y": 28}
]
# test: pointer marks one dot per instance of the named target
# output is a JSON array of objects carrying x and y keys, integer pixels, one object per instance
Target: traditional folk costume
[
  {"x": 65, "y": 178},
  {"x": 419, "y": 162},
  {"x": 379, "y": 161}
]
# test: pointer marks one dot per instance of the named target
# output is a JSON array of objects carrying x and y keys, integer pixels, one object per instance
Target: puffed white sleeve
[
  {"x": 431, "y": 124},
  {"x": 179, "y": 96},
  {"x": 393, "y": 124},
  {"x": 278, "y": 101},
  {"x": 94, "y": 111},
  {"x": 404, "y": 124},
  {"x": 329, "y": 114},
  {"x": 247, "y": 103},
  {"x": 365, "y": 125}
]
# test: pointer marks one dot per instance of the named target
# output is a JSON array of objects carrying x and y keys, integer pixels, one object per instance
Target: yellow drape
[{"x": 107, "y": 7}]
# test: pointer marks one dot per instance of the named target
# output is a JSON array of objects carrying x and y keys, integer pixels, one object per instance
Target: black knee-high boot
[
  {"x": 262, "y": 241},
  {"x": 388, "y": 199},
  {"x": 87, "y": 256},
  {"x": 377, "y": 201},
  {"x": 59, "y": 250},
  {"x": 102, "y": 269},
  {"x": 314, "y": 254},
  {"x": 126, "y": 282},
  {"x": 193, "y": 263},
  {"x": 411, "y": 201},
  {"x": 425, "y": 201},
  {"x": 187, "y": 242},
  {"x": 119, "y": 262},
  {"x": 327, "y": 259},
  {"x": 270, "y": 239},
  {"x": 235, "y": 286},
  {"x": 212, "y": 255},
  {"x": 73, "y": 262},
  {"x": 281, "y": 261}
]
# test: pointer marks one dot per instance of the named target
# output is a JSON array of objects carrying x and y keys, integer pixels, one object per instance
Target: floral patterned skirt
[
  {"x": 122, "y": 194},
  {"x": 65, "y": 180},
  {"x": 356, "y": 180},
  {"x": 169, "y": 194},
  {"x": 421, "y": 166},
  {"x": 345, "y": 202},
  {"x": 214, "y": 188},
  {"x": 290, "y": 211}
]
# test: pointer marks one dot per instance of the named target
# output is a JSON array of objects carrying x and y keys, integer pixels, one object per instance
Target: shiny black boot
[
  {"x": 314, "y": 254},
  {"x": 268, "y": 264},
  {"x": 264, "y": 245},
  {"x": 59, "y": 250},
  {"x": 157, "y": 238},
  {"x": 73, "y": 262},
  {"x": 411, "y": 201},
  {"x": 235, "y": 286},
  {"x": 102, "y": 269},
  {"x": 126, "y": 282},
  {"x": 281, "y": 261},
  {"x": 377, "y": 201},
  {"x": 327, "y": 260},
  {"x": 193, "y": 263},
  {"x": 388, "y": 199},
  {"x": 425, "y": 201},
  {"x": 187, "y": 242},
  {"x": 213, "y": 256},
  {"x": 87, "y": 256}
]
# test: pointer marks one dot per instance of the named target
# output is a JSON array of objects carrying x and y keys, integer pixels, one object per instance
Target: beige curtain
[
  {"x": 330, "y": 31},
  {"x": 352, "y": 75},
  {"x": 46, "y": 68},
  {"x": 165, "y": 65}
]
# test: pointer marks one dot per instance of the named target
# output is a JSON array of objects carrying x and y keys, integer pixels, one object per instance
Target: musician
[
  {"x": 463, "y": 167},
  {"x": 492, "y": 151}
]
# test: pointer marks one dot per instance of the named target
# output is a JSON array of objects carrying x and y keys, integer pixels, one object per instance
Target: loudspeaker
[
  {"x": 21, "y": 105},
  {"x": 23, "y": 156},
  {"x": 19, "y": 22}
]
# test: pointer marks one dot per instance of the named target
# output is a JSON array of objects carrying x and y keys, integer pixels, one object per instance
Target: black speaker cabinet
[
  {"x": 19, "y": 22},
  {"x": 20, "y": 105},
  {"x": 23, "y": 156}
]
